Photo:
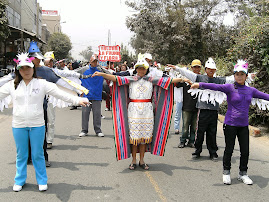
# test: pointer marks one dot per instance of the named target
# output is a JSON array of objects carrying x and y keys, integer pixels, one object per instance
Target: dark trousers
[
  {"x": 45, "y": 140},
  {"x": 189, "y": 126},
  {"x": 230, "y": 133},
  {"x": 108, "y": 102},
  {"x": 207, "y": 124}
]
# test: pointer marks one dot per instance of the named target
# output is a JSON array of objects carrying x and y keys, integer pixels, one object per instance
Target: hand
[
  {"x": 172, "y": 66},
  {"x": 84, "y": 102},
  {"x": 97, "y": 74},
  {"x": 195, "y": 85},
  {"x": 187, "y": 81}
]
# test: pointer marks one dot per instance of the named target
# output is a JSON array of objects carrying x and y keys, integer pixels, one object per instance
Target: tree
[
  {"x": 126, "y": 55},
  {"x": 4, "y": 30},
  {"x": 61, "y": 45},
  {"x": 177, "y": 32},
  {"x": 86, "y": 54}
]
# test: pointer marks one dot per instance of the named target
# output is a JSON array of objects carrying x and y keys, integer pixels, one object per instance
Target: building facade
[
  {"x": 26, "y": 24},
  {"x": 52, "y": 20}
]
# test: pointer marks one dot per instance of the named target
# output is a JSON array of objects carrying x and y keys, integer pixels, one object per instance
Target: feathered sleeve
[
  {"x": 212, "y": 93},
  {"x": 59, "y": 97},
  {"x": 5, "y": 97},
  {"x": 5, "y": 79},
  {"x": 260, "y": 99}
]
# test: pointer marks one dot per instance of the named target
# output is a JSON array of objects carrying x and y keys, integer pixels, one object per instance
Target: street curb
[{"x": 253, "y": 131}]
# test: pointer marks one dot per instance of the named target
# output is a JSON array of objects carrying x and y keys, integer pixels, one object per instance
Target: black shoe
[
  {"x": 73, "y": 107},
  {"x": 47, "y": 163},
  {"x": 195, "y": 155},
  {"x": 181, "y": 145},
  {"x": 214, "y": 157},
  {"x": 29, "y": 161},
  {"x": 176, "y": 131}
]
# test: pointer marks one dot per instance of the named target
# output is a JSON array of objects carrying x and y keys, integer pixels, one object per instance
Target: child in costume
[
  {"x": 28, "y": 94},
  {"x": 133, "y": 114},
  {"x": 239, "y": 97}
]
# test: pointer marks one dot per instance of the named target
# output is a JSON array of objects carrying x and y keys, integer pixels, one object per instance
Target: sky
[{"x": 87, "y": 22}]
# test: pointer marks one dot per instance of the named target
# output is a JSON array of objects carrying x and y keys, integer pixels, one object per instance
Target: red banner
[
  {"x": 109, "y": 53},
  {"x": 49, "y": 12}
]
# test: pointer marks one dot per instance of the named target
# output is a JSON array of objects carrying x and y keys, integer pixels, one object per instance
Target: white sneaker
[
  {"x": 82, "y": 134},
  {"x": 43, "y": 187},
  {"x": 17, "y": 187},
  {"x": 226, "y": 179},
  {"x": 100, "y": 135},
  {"x": 245, "y": 179},
  {"x": 106, "y": 109},
  {"x": 103, "y": 117}
]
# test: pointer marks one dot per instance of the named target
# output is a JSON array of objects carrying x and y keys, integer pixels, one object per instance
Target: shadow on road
[
  {"x": 69, "y": 165},
  {"x": 262, "y": 182},
  {"x": 61, "y": 190},
  {"x": 166, "y": 168},
  {"x": 76, "y": 147},
  {"x": 74, "y": 166}
]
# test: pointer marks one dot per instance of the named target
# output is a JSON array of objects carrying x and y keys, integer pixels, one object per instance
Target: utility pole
[{"x": 108, "y": 37}]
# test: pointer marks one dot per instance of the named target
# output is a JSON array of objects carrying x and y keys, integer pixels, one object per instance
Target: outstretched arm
[
  {"x": 106, "y": 76},
  {"x": 184, "y": 72},
  {"x": 181, "y": 80},
  {"x": 195, "y": 85}
]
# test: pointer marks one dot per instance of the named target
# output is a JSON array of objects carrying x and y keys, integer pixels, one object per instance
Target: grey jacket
[{"x": 204, "y": 78}]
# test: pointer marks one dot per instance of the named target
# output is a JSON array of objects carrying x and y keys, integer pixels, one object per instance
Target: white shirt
[
  {"x": 154, "y": 72},
  {"x": 28, "y": 101},
  {"x": 178, "y": 92}
]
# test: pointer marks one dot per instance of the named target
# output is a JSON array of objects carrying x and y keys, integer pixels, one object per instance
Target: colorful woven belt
[{"x": 141, "y": 100}]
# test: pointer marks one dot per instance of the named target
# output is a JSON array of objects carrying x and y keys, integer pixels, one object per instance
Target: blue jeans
[
  {"x": 36, "y": 136},
  {"x": 189, "y": 126},
  {"x": 178, "y": 115}
]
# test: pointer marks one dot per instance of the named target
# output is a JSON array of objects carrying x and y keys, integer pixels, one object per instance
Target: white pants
[{"x": 51, "y": 123}]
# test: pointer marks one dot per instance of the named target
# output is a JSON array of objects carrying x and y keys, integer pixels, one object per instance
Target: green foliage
[
  {"x": 4, "y": 30},
  {"x": 87, "y": 53},
  {"x": 126, "y": 55},
  {"x": 175, "y": 32},
  {"x": 252, "y": 44},
  {"x": 60, "y": 44},
  {"x": 224, "y": 66}
]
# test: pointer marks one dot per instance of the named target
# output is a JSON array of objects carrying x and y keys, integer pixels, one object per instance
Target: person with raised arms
[{"x": 239, "y": 97}]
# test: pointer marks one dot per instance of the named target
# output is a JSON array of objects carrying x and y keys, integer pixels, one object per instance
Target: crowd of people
[{"x": 141, "y": 97}]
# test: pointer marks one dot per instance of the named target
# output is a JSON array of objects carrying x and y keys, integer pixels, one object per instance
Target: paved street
[{"x": 85, "y": 169}]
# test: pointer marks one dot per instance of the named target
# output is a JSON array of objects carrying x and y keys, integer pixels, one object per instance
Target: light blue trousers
[
  {"x": 178, "y": 115},
  {"x": 36, "y": 136}
]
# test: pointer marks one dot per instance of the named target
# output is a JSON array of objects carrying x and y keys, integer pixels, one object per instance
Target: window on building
[
  {"x": 17, "y": 20},
  {"x": 10, "y": 16},
  {"x": 35, "y": 19}
]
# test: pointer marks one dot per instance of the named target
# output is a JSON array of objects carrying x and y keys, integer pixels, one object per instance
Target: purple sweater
[{"x": 238, "y": 99}]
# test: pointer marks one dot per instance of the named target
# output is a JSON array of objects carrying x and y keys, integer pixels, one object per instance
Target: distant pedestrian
[{"x": 178, "y": 99}]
